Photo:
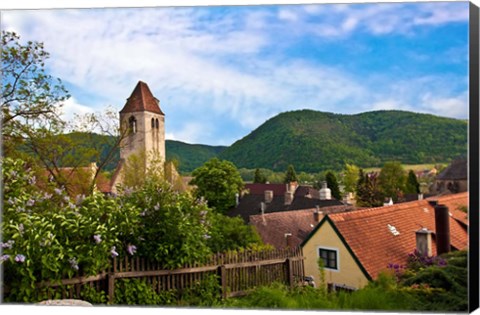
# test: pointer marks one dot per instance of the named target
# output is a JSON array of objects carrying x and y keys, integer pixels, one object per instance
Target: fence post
[
  {"x": 111, "y": 286},
  {"x": 222, "y": 272},
  {"x": 289, "y": 265}
]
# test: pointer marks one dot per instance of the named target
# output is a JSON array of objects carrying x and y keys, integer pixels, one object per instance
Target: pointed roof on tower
[{"x": 141, "y": 100}]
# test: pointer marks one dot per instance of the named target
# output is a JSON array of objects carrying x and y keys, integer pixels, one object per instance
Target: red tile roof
[
  {"x": 141, "y": 100},
  {"x": 368, "y": 232},
  {"x": 272, "y": 227}
]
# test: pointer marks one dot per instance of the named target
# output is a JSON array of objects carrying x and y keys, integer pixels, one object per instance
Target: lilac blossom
[
  {"x": 127, "y": 191},
  {"x": 79, "y": 199},
  {"x": 30, "y": 202},
  {"x": 113, "y": 252},
  {"x": 71, "y": 205},
  {"x": 73, "y": 263},
  {"x": 8, "y": 244},
  {"x": 11, "y": 201},
  {"x": 131, "y": 249},
  {"x": 20, "y": 258},
  {"x": 47, "y": 196},
  {"x": 97, "y": 238},
  {"x": 66, "y": 199},
  {"x": 4, "y": 258},
  {"x": 21, "y": 228},
  {"x": 32, "y": 180},
  {"x": 13, "y": 173},
  {"x": 58, "y": 191}
]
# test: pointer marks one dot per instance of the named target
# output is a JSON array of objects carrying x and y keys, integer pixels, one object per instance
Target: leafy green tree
[
  {"x": 368, "y": 192},
  {"x": 412, "y": 185},
  {"x": 333, "y": 185},
  {"x": 290, "y": 175},
  {"x": 350, "y": 177},
  {"x": 259, "y": 177},
  {"x": 392, "y": 180},
  {"x": 218, "y": 181},
  {"x": 30, "y": 98},
  {"x": 230, "y": 234}
]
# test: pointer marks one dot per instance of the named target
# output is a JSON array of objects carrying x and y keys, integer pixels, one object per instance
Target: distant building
[
  {"x": 269, "y": 198},
  {"x": 453, "y": 179}
]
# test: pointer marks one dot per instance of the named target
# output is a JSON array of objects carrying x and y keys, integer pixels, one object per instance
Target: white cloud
[{"x": 71, "y": 108}]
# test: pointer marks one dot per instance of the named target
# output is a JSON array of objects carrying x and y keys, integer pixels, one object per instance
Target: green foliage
[
  {"x": 368, "y": 192},
  {"x": 139, "y": 292},
  {"x": 392, "y": 180},
  {"x": 290, "y": 175},
  {"x": 259, "y": 177},
  {"x": 316, "y": 141},
  {"x": 173, "y": 227},
  {"x": 49, "y": 236},
  {"x": 190, "y": 156},
  {"x": 30, "y": 98},
  {"x": 333, "y": 185},
  {"x": 412, "y": 186},
  {"x": 206, "y": 292},
  {"x": 228, "y": 233},
  {"x": 218, "y": 182},
  {"x": 350, "y": 177},
  {"x": 91, "y": 295}
]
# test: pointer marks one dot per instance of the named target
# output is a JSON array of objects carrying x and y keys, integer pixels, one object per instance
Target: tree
[
  {"x": 290, "y": 175},
  {"x": 368, "y": 192},
  {"x": 259, "y": 177},
  {"x": 412, "y": 185},
  {"x": 31, "y": 99},
  {"x": 392, "y": 180},
  {"x": 350, "y": 177},
  {"x": 333, "y": 185},
  {"x": 218, "y": 181}
]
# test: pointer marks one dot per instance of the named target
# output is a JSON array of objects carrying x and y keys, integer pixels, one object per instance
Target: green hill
[
  {"x": 313, "y": 141},
  {"x": 190, "y": 156}
]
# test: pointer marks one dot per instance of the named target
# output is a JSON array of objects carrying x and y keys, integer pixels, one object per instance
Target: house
[
  {"x": 289, "y": 228},
  {"x": 78, "y": 179},
  {"x": 357, "y": 245},
  {"x": 269, "y": 198},
  {"x": 454, "y": 178}
]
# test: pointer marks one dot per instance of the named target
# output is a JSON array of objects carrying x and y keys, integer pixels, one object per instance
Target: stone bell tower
[{"x": 142, "y": 125}]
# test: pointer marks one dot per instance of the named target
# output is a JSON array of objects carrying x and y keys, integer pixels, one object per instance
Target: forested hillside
[{"x": 315, "y": 141}]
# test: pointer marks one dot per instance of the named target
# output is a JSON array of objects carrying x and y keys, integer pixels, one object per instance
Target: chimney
[
  {"x": 316, "y": 214},
  {"x": 420, "y": 196},
  {"x": 292, "y": 186},
  {"x": 288, "y": 198},
  {"x": 289, "y": 240},
  {"x": 268, "y": 196},
  {"x": 325, "y": 192},
  {"x": 433, "y": 203},
  {"x": 262, "y": 210},
  {"x": 442, "y": 229},
  {"x": 424, "y": 242}
]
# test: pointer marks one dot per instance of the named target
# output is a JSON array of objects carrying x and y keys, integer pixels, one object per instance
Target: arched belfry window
[
  {"x": 132, "y": 124},
  {"x": 153, "y": 123},
  {"x": 156, "y": 123}
]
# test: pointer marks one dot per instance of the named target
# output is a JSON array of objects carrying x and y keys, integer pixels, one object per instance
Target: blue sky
[{"x": 220, "y": 72}]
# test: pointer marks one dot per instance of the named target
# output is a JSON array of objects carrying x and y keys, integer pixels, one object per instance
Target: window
[
  {"x": 329, "y": 258},
  {"x": 153, "y": 123},
  {"x": 156, "y": 123},
  {"x": 132, "y": 124}
]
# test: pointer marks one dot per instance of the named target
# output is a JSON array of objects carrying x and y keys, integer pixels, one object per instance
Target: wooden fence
[{"x": 237, "y": 273}]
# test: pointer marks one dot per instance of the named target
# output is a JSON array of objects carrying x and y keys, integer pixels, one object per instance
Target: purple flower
[
  {"x": 30, "y": 202},
  {"x": 113, "y": 252},
  {"x": 47, "y": 196},
  {"x": 21, "y": 228},
  {"x": 142, "y": 214},
  {"x": 97, "y": 238},
  {"x": 131, "y": 249},
  {"x": 7, "y": 244},
  {"x": 71, "y": 205},
  {"x": 73, "y": 263},
  {"x": 79, "y": 199},
  {"x": 13, "y": 173},
  {"x": 67, "y": 199},
  {"x": 58, "y": 191},
  {"x": 20, "y": 258},
  {"x": 206, "y": 236},
  {"x": 11, "y": 201},
  {"x": 127, "y": 191},
  {"x": 4, "y": 258},
  {"x": 32, "y": 180}
]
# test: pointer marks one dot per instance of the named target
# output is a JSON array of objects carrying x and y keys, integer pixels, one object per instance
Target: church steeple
[{"x": 142, "y": 100}]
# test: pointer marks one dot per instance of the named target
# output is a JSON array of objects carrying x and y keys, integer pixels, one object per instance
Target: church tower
[{"x": 142, "y": 124}]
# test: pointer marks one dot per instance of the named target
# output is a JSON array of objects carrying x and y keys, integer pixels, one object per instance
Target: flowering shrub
[{"x": 50, "y": 236}]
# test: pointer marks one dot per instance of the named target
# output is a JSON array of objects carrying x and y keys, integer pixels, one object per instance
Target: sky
[{"x": 221, "y": 71}]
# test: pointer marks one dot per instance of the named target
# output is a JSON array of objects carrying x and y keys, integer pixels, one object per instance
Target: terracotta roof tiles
[
  {"x": 379, "y": 236},
  {"x": 141, "y": 100}
]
